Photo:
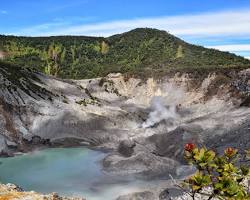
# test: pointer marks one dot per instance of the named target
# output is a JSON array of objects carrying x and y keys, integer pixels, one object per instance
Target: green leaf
[
  {"x": 210, "y": 155},
  {"x": 218, "y": 186},
  {"x": 201, "y": 154},
  {"x": 196, "y": 187}
]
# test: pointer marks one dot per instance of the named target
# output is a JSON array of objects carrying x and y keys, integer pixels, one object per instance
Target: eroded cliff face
[
  {"x": 144, "y": 122},
  {"x": 40, "y": 110}
]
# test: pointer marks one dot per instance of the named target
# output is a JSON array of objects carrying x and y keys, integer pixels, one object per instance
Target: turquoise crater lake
[{"x": 67, "y": 171}]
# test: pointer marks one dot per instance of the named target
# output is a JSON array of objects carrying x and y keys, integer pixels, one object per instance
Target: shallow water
[{"x": 67, "y": 171}]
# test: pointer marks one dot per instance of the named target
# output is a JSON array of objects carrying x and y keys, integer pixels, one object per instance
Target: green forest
[{"x": 142, "y": 51}]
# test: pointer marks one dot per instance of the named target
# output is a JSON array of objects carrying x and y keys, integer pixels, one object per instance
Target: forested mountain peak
[{"x": 142, "y": 51}]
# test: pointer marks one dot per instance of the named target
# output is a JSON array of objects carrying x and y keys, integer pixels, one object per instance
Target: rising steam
[
  {"x": 159, "y": 112},
  {"x": 164, "y": 107}
]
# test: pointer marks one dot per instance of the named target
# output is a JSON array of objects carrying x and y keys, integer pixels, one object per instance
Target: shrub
[{"x": 217, "y": 176}]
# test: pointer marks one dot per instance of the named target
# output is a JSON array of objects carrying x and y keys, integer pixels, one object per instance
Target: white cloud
[
  {"x": 224, "y": 23},
  {"x": 3, "y": 12},
  {"x": 248, "y": 57},
  {"x": 232, "y": 47},
  {"x": 43, "y": 28}
]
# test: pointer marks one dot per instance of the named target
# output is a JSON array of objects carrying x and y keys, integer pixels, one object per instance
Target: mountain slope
[
  {"x": 140, "y": 51},
  {"x": 17, "y": 84}
]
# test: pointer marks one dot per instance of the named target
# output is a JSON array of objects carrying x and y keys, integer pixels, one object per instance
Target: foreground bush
[{"x": 217, "y": 176}]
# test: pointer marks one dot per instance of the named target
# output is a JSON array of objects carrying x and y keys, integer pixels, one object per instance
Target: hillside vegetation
[{"x": 141, "y": 51}]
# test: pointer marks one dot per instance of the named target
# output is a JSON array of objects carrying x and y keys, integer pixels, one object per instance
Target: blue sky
[{"x": 221, "y": 24}]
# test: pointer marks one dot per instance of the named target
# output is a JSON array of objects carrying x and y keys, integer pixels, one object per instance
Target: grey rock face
[
  {"x": 126, "y": 148},
  {"x": 171, "y": 144},
  {"x": 169, "y": 193},
  {"x": 6, "y": 147},
  {"x": 146, "y": 195},
  {"x": 11, "y": 144},
  {"x": 3, "y": 146},
  {"x": 47, "y": 108},
  {"x": 242, "y": 83},
  {"x": 143, "y": 165},
  {"x": 238, "y": 137},
  {"x": 246, "y": 101},
  {"x": 43, "y": 110}
]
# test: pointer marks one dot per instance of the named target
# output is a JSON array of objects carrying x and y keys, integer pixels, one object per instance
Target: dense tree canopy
[{"x": 141, "y": 51}]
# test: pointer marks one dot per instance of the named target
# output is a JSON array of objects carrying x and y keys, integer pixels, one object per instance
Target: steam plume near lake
[{"x": 164, "y": 105}]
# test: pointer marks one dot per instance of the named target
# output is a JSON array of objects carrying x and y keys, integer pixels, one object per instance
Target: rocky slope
[
  {"x": 13, "y": 192},
  {"x": 144, "y": 123}
]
